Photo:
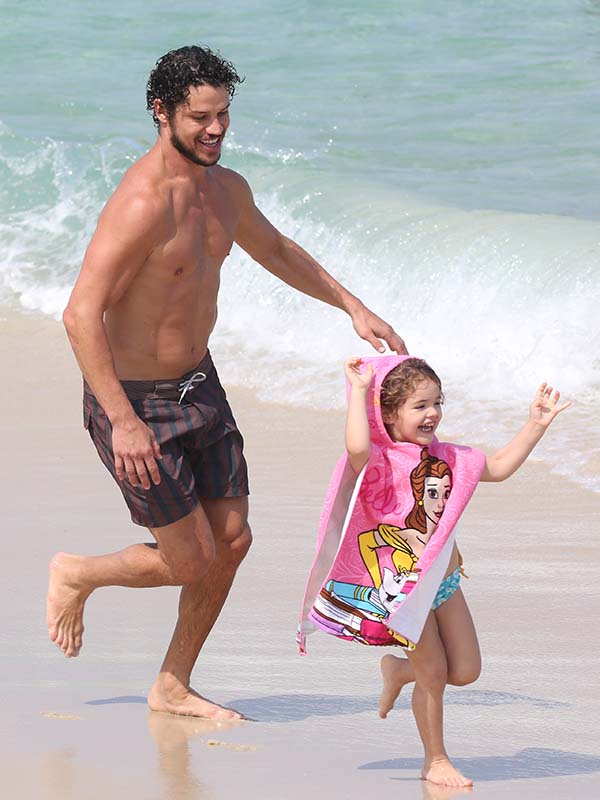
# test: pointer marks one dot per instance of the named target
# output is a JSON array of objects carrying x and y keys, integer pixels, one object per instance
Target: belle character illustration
[
  {"x": 361, "y": 611},
  {"x": 431, "y": 483}
]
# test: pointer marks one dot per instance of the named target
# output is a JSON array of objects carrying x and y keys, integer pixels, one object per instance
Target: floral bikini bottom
[{"x": 447, "y": 588}]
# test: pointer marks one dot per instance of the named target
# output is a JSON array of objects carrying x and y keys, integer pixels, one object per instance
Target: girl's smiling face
[{"x": 417, "y": 419}]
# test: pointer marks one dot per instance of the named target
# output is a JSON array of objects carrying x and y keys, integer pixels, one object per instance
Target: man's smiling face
[{"x": 198, "y": 126}]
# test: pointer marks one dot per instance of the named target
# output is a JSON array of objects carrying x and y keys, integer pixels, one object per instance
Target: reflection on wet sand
[
  {"x": 432, "y": 791},
  {"x": 171, "y": 735},
  {"x": 59, "y": 774}
]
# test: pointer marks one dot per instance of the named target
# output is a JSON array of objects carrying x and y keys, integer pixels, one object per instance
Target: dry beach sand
[{"x": 79, "y": 729}]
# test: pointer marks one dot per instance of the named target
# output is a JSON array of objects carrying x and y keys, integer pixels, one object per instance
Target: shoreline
[{"x": 530, "y": 726}]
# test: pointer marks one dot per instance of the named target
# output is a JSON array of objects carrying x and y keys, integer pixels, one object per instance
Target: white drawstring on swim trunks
[{"x": 188, "y": 384}]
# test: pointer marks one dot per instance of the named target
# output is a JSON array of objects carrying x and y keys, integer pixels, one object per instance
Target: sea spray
[{"x": 496, "y": 301}]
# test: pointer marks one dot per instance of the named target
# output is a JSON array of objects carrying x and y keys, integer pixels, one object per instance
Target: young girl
[{"x": 447, "y": 651}]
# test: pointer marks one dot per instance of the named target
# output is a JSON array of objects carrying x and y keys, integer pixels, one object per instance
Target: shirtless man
[{"x": 139, "y": 320}]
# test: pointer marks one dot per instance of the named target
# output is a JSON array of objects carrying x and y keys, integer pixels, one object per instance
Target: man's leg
[
  {"x": 199, "y": 606},
  {"x": 185, "y": 550},
  {"x": 187, "y": 554}
]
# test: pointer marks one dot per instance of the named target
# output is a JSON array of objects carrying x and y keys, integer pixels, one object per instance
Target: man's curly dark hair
[{"x": 180, "y": 69}]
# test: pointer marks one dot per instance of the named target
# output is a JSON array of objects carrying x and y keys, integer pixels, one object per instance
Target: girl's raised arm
[
  {"x": 542, "y": 411},
  {"x": 358, "y": 437}
]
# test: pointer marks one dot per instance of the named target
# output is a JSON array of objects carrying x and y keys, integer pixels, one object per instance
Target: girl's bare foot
[
  {"x": 396, "y": 672},
  {"x": 443, "y": 773},
  {"x": 65, "y": 603},
  {"x": 170, "y": 696}
]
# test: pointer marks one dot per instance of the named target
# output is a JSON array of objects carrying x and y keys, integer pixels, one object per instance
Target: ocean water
[{"x": 441, "y": 160}]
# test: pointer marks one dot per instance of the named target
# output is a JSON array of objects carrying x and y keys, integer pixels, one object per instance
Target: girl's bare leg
[
  {"x": 396, "y": 673},
  {"x": 431, "y": 672},
  {"x": 458, "y": 635},
  {"x": 457, "y": 632}
]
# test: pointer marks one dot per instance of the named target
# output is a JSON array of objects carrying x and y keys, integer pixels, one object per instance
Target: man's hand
[
  {"x": 373, "y": 329},
  {"x": 135, "y": 449}
]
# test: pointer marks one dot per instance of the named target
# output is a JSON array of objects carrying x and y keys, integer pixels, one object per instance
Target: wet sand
[{"x": 79, "y": 729}]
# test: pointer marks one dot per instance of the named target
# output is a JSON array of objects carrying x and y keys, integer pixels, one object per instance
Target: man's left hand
[{"x": 373, "y": 329}]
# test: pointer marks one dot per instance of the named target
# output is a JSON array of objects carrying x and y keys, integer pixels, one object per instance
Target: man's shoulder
[
  {"x": 232, "y": 181},
  {"x": 144, "y": 179},
  {"x": 139, "y": 194}
]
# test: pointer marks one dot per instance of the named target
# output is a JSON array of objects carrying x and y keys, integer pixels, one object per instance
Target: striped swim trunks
[
  {"x": 447, "y": 588},
  {"x": 200, "y": 444}
]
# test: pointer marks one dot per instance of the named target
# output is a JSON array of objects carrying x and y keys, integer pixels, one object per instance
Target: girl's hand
[
  {"x": 508, "y": 459},
  {"x": 361, "y": 380},
  {"x": 545, "y": 406}
]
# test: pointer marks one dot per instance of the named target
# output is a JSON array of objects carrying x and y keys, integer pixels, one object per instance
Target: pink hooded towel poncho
[{"x": 386, "y": 535}]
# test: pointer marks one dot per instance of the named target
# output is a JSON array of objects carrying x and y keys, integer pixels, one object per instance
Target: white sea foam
[
  {"x": 48, "y": 210},
  {"x": 495, "y": 301}
]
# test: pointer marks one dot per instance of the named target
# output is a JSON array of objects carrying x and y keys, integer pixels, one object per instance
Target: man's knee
[{"x": 236, "y": 546}]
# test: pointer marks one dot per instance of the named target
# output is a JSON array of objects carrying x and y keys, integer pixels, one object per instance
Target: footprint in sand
[
  {"x": 240, "y": 748},
  {"x": 59, "y": 715}
]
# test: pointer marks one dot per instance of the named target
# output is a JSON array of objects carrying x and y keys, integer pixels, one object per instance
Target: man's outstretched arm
[{"x": 292, "y": 264}]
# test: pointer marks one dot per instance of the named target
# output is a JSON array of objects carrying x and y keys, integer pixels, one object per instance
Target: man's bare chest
[{"x": 195, "y": 245}]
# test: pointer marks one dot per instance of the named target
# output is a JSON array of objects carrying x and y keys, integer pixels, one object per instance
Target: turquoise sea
[{"x": 441, "y": 159}]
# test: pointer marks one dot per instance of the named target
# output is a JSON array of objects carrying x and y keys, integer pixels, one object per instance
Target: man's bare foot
[
  {"x": 443, "y": 773},
  {"x": 65, "y": 602},
  {"x": 396, "y": 673},
  {"x": 170, "y": 696}
]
